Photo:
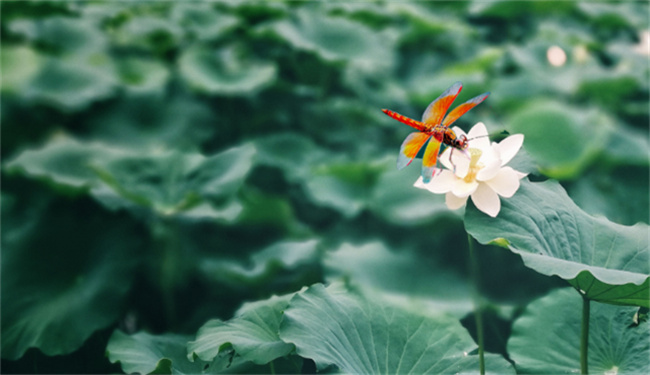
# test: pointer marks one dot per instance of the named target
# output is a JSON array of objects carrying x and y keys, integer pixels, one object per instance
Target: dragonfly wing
[
  {"x": 410, "y": 148},
  {"x": 463, "y": 108},
  {"x": 436, "y": 110},
  {"x": 429, "y": 160}
]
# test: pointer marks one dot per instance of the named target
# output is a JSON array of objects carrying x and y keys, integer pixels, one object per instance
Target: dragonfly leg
[
  {"x": 450, "y": 161},
  {"x": 452, "y": 152}
]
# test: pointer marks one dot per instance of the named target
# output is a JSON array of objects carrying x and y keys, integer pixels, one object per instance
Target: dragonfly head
[{"x": 461, "y": 142}]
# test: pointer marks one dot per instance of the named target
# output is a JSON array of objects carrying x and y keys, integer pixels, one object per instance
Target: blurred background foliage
[{"x": 165, "y": 162}]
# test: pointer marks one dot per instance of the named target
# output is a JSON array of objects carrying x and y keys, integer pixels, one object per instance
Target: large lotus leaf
[
  {"x": 394, "y": 199},
  {"x": 555, "y": 136},
  {"x": 226, "y": 71},
  {"x": 359, "y": 336},
  {"x": 144, "y": 353},
  {"x": 503, "y": 9},
  {"x": 546, "y": 338},
  {"x": 589, "y": 190},
  {"x": 19, "y": 66},
  {"x": 374, "y": 89},
  {"x": 142, "y": 75},
  {"x": 548, "y": 80},
  {"x": 430, "y": 22},
  {"x": 265, "y": 10},
  {"x": 572, "y": 40},
  {"x": 65, "y": 275},
  {"x": 291, "y": 152},
  {"x": 534, "y": 57},
  {"x": 631, "y": 69},
  {"x": 480, "y": 63},
  {"x": 427, "y": 86},
  {"x": 155, "y": 34},
  {"x": 142, "y": 121},
  {"x": 282, "y": 258},
  {"x": 364, "y": 12},
  {"x": 405, "y": 277},
  {"x": 271, "y": 210},
  {"x": 169, "y": 182},
  {"x": 63, "y": 161},
  {"x": 252, "y": 334},
  {"x": 228, "y": 212},
  {"x": 202, "y": 20},
  {"x": 606, "y": 261},
  {"x": 609, "y": 90},
  {"x": 611, "y": 16},
  {"x": 61, "y": 34},
  {"x": 517, "y": 90},
  {"x": 331, "y": 121},
  {"x": 108, "y": 14},
  {"x": 613, "y": 88},
  {"x": 628, "y": 146},
  {"x": 334, "y": 39},
  {"x": 344, "y": 186},
  {"x": 72, "y": 84}
]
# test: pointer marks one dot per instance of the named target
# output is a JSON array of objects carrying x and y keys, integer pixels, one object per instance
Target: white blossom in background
[
  {"x": 483, "y": 176},
  {"x": 556, "y": 56},
  {"x": 643, "y": 48}
]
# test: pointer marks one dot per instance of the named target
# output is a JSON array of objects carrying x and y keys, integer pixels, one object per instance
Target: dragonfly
[{"x": 434, "y": 128}]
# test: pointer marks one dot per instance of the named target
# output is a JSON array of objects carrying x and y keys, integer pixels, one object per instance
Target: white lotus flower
[{"x": 483, "y": 176}]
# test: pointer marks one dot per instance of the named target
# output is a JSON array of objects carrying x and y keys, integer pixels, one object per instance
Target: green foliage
[
  {"x": 230, "y": 72},
  {"x": 364, "y": 337},
  {"x": 253, "y": 334},
  {"x": 168, "y": 168},
  {"x": 615, "y": 343},
  {"x": 56, "y": 305},
  {"x": 555, "y": 128},
  {"x": 145, "y": 353},
  {"x": 400, "y": 276},
  {"x": 605, "y": 261},
  {"x": 149, "y": 354},
  {"x": 167, "y": 182}
]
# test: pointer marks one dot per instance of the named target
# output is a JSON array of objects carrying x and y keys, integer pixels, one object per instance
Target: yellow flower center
[{"x": 474, "y": 165}]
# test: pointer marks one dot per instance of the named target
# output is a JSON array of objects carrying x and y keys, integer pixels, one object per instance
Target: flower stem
[
  {"x": 478, "y": 306},
  {"x": 584, "y": 336}
]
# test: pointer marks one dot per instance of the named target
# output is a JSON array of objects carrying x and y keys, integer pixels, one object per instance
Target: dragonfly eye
[{"x": 462, "y": 142}]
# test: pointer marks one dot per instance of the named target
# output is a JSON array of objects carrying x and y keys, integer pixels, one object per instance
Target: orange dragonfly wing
[
  {"x": 410, "y": 148},
  {"x": 429, "y": 159},
  {"x": 435, "y": 112},
  {"x": 408, "y": 121},
  {"x": 463, "y": 108}
]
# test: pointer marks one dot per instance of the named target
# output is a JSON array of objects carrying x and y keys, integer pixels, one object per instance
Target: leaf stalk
[
  {"x": 584, "y": 335},
  {"x": 478, "y": 315}
]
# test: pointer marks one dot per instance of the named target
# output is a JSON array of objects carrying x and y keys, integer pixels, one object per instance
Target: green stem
[
  {"x": 166, "y": 241},
  {"x": 584, "y": 336},
  {"x": 478, "y": 315}
]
